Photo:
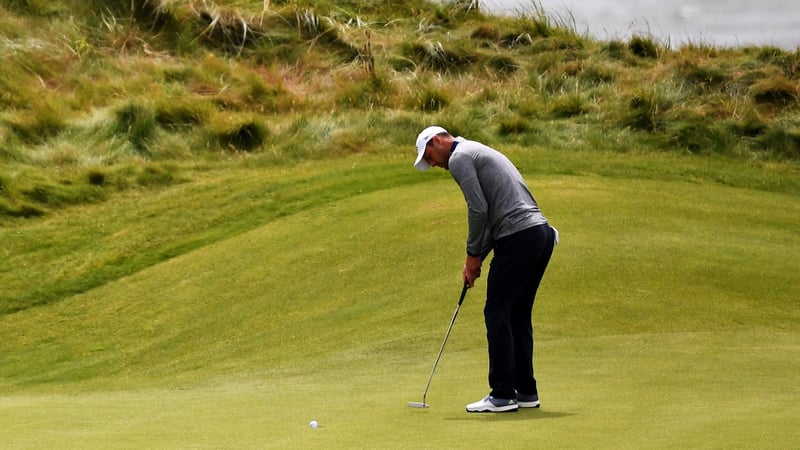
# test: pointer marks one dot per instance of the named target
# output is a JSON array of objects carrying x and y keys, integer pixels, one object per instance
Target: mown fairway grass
[{"x": 668, "y": 318}]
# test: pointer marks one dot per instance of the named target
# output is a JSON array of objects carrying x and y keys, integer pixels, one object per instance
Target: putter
[{"x": 435, "y": 363}]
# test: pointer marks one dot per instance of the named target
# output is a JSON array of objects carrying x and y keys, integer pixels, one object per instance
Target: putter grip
[{"x": 463, "y": 294}]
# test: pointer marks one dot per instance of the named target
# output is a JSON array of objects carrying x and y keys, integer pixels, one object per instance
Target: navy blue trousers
[{"x": 515, "y": 272}]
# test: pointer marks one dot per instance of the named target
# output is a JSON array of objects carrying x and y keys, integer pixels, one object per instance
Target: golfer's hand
[{"x": 472, "y": 270}]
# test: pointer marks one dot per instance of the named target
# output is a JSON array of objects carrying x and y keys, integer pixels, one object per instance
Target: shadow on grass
[{"x": 522, "y": 414}]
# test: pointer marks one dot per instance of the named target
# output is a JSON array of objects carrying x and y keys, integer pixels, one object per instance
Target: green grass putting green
[{"x": 668, "y": 319}]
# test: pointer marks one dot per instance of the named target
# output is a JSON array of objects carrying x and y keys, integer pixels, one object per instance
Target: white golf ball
[{"x": 313, "y": 424}]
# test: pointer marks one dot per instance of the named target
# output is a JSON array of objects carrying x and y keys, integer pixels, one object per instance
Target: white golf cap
[{"x": 422, "y": 141}]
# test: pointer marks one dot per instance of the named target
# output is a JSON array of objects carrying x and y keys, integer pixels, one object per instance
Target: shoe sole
[
  {"x": 535, "y": 404},
  {"x": 510, "y": 408}
]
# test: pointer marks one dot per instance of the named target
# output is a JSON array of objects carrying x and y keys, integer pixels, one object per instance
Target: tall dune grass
[{"x": 177, "y": 82}]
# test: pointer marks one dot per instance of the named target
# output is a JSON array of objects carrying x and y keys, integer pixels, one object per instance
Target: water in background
[{"x": 722, "y": 23}]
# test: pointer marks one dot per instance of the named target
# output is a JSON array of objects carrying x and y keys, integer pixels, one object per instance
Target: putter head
[{"x": 417, "y": 405}]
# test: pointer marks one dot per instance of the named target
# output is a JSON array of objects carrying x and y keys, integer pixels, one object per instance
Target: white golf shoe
[
  {"x": 528, "y": 401},
  {"x": 491, "y": 404}
]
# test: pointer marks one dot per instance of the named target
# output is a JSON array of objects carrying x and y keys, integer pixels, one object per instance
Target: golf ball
[{"x": 313, "y": 424}]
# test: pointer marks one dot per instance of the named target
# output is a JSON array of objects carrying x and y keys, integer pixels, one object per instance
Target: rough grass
[{"x": 181, "y": 83}]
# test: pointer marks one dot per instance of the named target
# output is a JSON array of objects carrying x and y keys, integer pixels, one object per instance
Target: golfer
[{"x": 503, "y": 217}]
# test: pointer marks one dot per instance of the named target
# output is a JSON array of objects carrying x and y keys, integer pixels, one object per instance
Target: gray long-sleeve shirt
[{"x": 499, "y": 202}]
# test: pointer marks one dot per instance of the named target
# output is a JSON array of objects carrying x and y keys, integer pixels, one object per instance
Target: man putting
[{"x": 503, "y": 216}]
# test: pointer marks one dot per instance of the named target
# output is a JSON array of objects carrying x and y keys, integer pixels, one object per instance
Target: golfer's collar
[{"x": 453, "y": 147}]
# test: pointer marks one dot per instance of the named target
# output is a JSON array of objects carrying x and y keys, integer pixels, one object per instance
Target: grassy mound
[
  {"x": 91, "y": 92},
  {"x": 667, "y": 319}
]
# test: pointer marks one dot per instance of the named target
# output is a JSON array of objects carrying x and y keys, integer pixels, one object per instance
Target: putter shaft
[{"x": 424, "y": 404}]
